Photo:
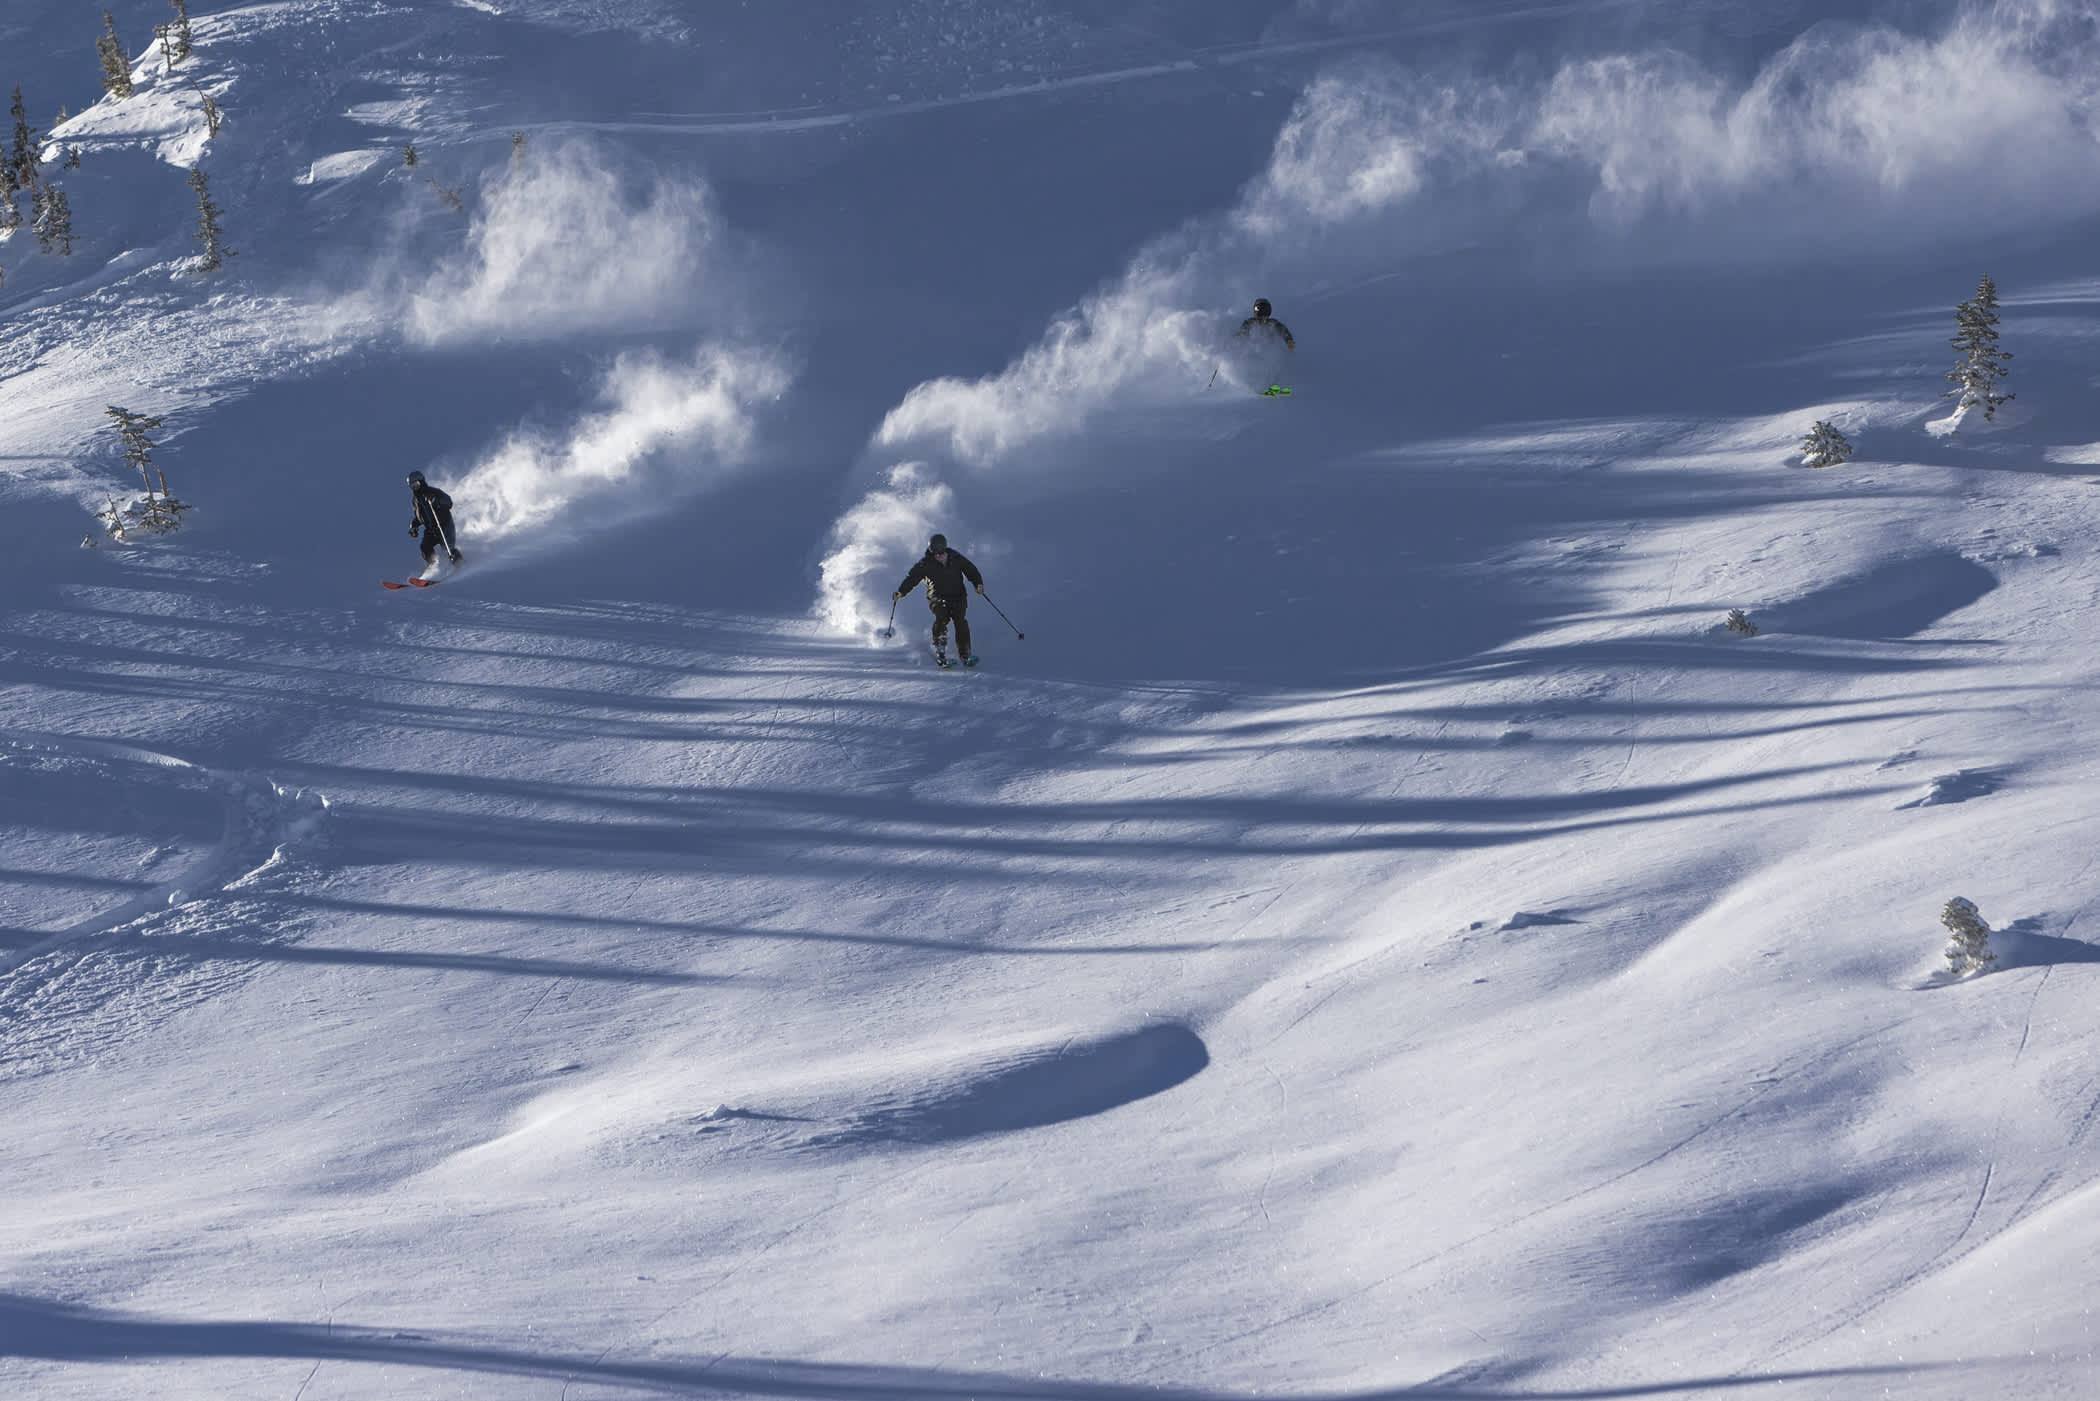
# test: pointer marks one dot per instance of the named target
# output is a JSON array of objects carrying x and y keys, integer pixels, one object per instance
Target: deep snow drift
[{"x": 1379, "y": 934}]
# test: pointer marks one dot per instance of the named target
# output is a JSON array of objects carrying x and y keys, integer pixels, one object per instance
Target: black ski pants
[
  {"x": 946, "y": 610},
  {"x": 438, "y": 536}
]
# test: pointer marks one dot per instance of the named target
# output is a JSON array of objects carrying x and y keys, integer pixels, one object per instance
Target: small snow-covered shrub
[
  {"x": 147, "y": 515},
  {"x": 1824, "y": 446},
  {"x": 1971, "y": 950},
  {"x": 1739, "y": 621},
  {"x": 213, "y": 117}
]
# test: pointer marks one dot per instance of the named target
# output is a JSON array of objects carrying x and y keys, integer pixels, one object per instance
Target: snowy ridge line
[
  {"x": 258, "y": 811},
  {"x": 779, "y": 120}
]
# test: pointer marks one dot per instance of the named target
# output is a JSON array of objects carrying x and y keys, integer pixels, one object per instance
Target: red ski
[{"x": 419, "y": 583}]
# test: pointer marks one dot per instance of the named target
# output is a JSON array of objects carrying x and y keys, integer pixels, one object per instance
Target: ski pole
[
  {"x": 890, "y": 628},
  {"x": 1206, "y": 389},
  {"x": 1002, "y": 613}
]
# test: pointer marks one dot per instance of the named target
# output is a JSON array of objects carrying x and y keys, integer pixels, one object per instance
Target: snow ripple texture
[{"x": 143, "y": 893}]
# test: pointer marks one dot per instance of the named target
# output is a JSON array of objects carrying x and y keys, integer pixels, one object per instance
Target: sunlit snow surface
[{"x": 1379, "y": 934}]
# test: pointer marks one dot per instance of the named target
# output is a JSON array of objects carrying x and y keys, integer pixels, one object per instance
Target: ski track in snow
[
  {"x": 262, "y": 823},
  {"x": 797, "y": 120}
]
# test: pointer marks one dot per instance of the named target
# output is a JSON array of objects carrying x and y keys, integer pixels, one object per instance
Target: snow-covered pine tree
[
  {"x": 1739, "y": 622},
  {"x": 54, "y": 220},
  {"x": 208, "y": 234},
  {"x": 1824, "y": 446},
  {"x": 1971, "y": 950},
  {"x": 178, "y": 30},
  {"x": 132, "y": 431},
  {"x": 156, "y": 513},
  {"x": 409, "y": 156},
  {"x": 116, "y": 68},
  {"x": 23, "y": 153},
  {"x": 454, "y": 201},
  {"x": 1975, "y": 376}
]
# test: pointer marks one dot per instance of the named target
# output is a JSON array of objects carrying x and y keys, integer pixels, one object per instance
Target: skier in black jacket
[
  {"x": 1262, "y": 321},
  {"x": 432, "y": 520},
  {"x": 943, "y": 571}
]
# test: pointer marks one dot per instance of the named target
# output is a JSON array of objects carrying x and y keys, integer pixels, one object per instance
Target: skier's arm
[
  {"x": 970, "y": 572},
  {"x": 918, "y": 572},
  {"x": 1285, "y": 332},
  {"x": 1246, "y": 327}
]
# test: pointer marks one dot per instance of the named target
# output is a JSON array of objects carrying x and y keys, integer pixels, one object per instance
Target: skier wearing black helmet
[
  {"x": 944, "y": 572},
  {"x": 1262, "y": 321},
  {"x": 432, "y": 520}
]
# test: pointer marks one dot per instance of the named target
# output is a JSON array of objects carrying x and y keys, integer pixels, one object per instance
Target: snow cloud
[
  {"x": 889, "y": 524},
  {"x": 1849, "y": 134},
  {"x": 565, "y": 243},
  {"x": 1987, "y": 124},
  {"x": 1361, "y": 142},
  {"x": 663, "y": 427}
]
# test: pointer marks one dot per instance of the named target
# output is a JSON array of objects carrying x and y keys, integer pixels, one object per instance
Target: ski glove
[
  {"x": 415, "y": 527},
  {"x": 895, "y": 596}
]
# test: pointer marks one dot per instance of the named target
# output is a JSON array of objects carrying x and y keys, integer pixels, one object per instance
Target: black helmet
[
  {"x": 938, "y": 542},
  {"x": 416, "y": 479},
  {"x": 1261, "y": 306}
]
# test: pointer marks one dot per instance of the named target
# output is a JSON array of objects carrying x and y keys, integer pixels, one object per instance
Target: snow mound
[
  {"x": 1898, "y": 598},
  {"x": 1049, "y": 1085}
]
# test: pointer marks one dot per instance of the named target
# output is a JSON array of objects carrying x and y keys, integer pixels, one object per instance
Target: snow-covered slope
[{"x": 1378, "y": 934}]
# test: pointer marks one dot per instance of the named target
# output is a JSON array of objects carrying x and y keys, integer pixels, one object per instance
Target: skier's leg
[
  {"x": 960, "y": 609},
  {"x": 939, "y": 606}
]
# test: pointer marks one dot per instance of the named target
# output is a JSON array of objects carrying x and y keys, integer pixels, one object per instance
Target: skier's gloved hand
[
  {"x": 979, "y": 588},
  {"x": 415, "y": 527},
  {"x": 895, "y": 596}
]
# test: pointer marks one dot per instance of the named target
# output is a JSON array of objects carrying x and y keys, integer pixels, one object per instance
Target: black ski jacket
[
  {"x": 943, "y": 580},
  {"x": 434, "y": 511},
  {"x": 1268, "y": 323}
]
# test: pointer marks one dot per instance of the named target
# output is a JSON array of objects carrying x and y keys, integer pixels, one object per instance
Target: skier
[
  {"x": 1267, "y": 324},
  {"x": 432, "y": 520},
  {"x": 943, "y": 571}
]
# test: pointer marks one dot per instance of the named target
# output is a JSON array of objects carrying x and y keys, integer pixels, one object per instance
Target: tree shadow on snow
[{"x": 45, "y": 1330}]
